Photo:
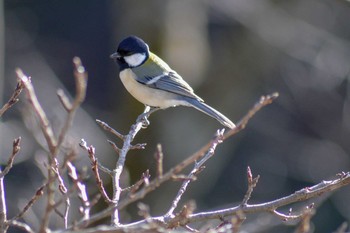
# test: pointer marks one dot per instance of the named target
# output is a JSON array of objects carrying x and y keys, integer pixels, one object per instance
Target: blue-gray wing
[{"x": 171, "y": 82}]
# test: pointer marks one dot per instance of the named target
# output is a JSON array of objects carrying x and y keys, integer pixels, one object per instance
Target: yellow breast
[{"x": 147, "y": 95}]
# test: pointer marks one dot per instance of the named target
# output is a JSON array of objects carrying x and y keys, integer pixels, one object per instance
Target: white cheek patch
[{"x": 135, "y": 59}]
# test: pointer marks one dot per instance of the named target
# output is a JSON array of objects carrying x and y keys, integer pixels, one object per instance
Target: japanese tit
[{"x": 152, "y": 82}]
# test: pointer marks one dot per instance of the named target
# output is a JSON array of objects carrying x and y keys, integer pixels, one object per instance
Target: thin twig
[
  {"x": 114, "y": 146},
  {"x": 159, "y": 160},
  {"x": 236, "y": 221},
  {"x": 63, "y": 189},
  {"x": 14, "y": 98},
  {"x": 15, "y": 149},
  {"x": 252, "y": 182},
  {"x": 44, "y": 122},
  {"x": 95, "y": 169},
  {"x": 264, "y": 100},
  {"x": 67, "y": 105},
  {"x": 39, "y": 192},
  {"x": 80, "y": 76},
  {"x": 106, "y": 127},
  {"x": 82, "y": 194},
  {"x": 215, "y": 142},
  {"x": 143, "y": 180},
  {"x": 3, "y": 208},
  {"x": 305, "y": 225}
]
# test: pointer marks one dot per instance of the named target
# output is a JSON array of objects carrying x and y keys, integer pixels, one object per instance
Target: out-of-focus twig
[
  {"x": 14, "y": 98},
  {"x": 80, "y": 76},
  {"x": 15, "y": 149},
  {"x": 305, "y": 223},
  {"x": 21, "y": 225},
  {"x": 54, "y": 143},
  {"x": 39, "y": 192},
  {"x": 82, "y": 194},
  {"x": 159, "y": 159},
  {"x": 3, "y": 209}
]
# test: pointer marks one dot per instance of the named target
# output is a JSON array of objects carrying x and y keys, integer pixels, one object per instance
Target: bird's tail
[{"x": 201, "y": 106}]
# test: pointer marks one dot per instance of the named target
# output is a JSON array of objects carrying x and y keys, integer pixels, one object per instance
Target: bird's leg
[{"x": 146, "y": 113}]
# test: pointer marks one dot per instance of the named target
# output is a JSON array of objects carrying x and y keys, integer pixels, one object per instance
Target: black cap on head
[{"x": 131, "y": 45}]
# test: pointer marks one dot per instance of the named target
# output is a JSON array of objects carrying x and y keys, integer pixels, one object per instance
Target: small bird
[{"x": 152, "y": 82}]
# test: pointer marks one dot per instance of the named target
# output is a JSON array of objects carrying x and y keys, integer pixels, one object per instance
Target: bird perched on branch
[{"x": 152, "y": 82}]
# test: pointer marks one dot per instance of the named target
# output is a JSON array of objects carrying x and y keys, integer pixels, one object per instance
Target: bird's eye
[{"x": 124, "y": 53}]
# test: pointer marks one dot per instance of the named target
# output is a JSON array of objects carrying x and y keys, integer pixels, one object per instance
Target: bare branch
[
  {"x": 14, "y": 98},
  {"x": 301, "y": 195},
  {"x": 3, "y": 208},
  {"x": 342, "y": 228},
  {"x": 236, "y": 221},
  {"x": 159, "y": 159},
  {"x": 304, "y": 225},
  {"x": 15, "y": 149},
  {"x": 117, "y": 190},
  {"x": 252, "y": 182},
  {"x": 80, "y": 76},
  {"x": 44, "y": 122},
  {"x": 39, "y": 192},
  {"x": 143, "y": 180},
  {"x": 114, "y": 146},
  {"x": 82, "y": 194},
  {"x": 215, "y": 142},
  {"x": 264, "y": 100},
  {"x": 67, "y": 105},
  {"x": 106, "y": 127},
  {"x": 180, "y": 219},
  {"x": 21, "y": 225},
  {"x": 138, "y": 146},
  {"x": 95, "y": 169}
]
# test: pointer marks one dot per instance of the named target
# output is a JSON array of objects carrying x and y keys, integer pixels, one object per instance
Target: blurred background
[{"x": 231, "y": 52}]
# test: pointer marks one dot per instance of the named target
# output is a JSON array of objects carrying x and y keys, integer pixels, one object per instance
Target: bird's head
[{"x": 131, "y": 52}]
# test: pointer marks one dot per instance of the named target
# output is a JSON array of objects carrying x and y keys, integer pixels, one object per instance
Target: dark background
[{"x": 231, "y": 52}]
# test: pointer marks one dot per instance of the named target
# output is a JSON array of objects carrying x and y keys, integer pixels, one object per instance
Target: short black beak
[{"x": 115, "y": 55}]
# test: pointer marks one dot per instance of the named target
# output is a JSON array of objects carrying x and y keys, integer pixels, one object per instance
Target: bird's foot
[{"x": 143, "y": 118}]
